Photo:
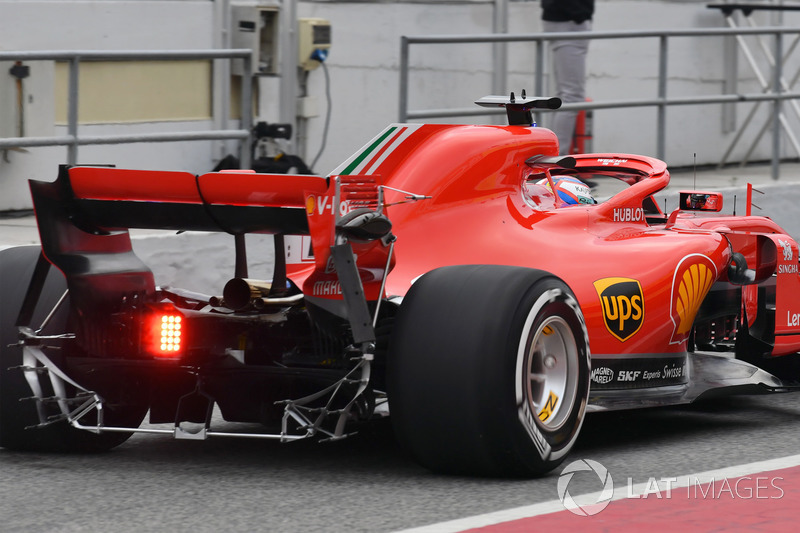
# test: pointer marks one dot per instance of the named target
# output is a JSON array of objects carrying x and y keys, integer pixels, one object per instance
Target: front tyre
[{"x": 488, "y": 370}]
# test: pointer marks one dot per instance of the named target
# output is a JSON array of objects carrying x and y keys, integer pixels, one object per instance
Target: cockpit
[{"x": 596, "y": 181}]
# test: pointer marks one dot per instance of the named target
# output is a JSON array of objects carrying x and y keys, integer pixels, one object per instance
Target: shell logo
[
  {"x": 693, "y": 279},
  {"x": 310, "y": 204}
]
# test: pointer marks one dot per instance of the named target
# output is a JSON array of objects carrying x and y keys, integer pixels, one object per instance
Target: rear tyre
[
  {"x": 17, "y": 266},
  {"x": 488, "y": 371}
]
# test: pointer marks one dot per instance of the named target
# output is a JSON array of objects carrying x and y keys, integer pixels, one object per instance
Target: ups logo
[{"x": 623, "y": 306}]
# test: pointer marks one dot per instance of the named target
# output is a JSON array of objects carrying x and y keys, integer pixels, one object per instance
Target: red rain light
[{"x": 167, "y": 330}]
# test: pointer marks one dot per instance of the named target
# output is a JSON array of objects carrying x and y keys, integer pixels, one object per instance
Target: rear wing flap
[{"x": 237, "y": 202}]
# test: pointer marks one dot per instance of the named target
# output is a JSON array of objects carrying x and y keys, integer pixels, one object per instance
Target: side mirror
[{"x": 700, "y": 201}]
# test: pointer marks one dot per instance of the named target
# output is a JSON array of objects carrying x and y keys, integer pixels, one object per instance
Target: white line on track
[{"x": 620, "y": 493}]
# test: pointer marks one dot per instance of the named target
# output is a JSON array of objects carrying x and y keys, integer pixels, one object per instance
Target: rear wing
[
  {"x": 231, "y": 201},
  {"x": 83, "y": 217}
]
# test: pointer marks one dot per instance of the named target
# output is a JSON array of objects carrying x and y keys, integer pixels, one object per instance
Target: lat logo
[{"x": 623, "y": 306}]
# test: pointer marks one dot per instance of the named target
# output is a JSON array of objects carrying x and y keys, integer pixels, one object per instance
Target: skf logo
[
  {"x": 628, "y": 375},
  {"x": 623, "y": 306},
  {"x": 693, "y": 279}
]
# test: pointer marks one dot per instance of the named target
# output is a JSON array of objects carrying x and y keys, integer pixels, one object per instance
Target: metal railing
[
  {"x": 73, "y": 138},
  {"x": 776, "y": 94}
]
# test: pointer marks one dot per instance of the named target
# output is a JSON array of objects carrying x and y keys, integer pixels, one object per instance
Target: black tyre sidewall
[
  {"x": 16, "y": 269},
  {"x": 453, "y": 364},
  {"x": 547, "y": 298}
]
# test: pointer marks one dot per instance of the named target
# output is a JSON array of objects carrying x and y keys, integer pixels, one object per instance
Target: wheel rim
[{"x": 551, "y": 373}]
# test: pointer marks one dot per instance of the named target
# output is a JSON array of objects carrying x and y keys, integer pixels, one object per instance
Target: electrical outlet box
[
  {"x": 313, "y": 34},
  {"x": 256, "y": 28}
]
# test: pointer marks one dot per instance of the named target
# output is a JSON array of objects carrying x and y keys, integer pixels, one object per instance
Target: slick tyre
[
  {"x": 17, "y": 266},
  {"x": 488, "y": 371}
]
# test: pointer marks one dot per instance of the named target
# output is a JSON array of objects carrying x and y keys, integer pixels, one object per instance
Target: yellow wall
[{"x": 137, "y": 91}]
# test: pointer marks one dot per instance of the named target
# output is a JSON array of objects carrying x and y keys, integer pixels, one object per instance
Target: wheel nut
[{"x": 549, "y": 361}]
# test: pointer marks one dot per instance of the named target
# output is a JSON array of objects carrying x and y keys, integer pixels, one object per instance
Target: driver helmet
[{"x": 571, "y": 191}]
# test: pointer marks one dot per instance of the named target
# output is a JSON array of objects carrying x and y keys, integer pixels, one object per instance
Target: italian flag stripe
[
  {"x": 363, "y": 155},
  {"x": 369, "y": 167}
]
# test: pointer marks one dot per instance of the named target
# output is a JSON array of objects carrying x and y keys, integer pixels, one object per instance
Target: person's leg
[{"x": 569, "y": 70}]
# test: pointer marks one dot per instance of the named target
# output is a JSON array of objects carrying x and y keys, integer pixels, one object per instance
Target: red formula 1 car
[{"x": 484, "y": 291}]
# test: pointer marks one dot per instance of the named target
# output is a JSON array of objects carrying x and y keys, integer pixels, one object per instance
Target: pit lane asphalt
[{"x": 364, "y": 483}]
